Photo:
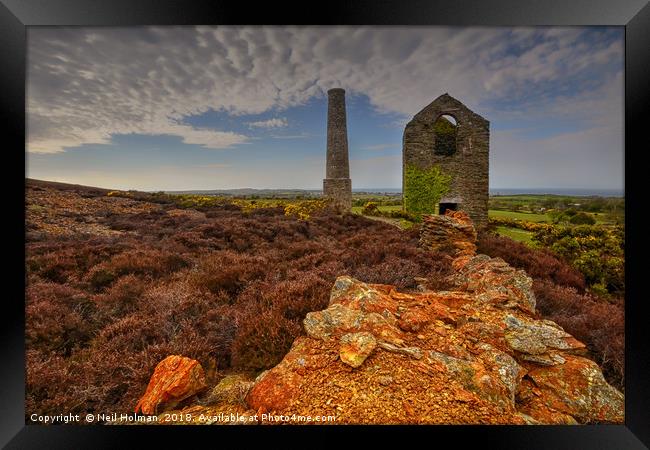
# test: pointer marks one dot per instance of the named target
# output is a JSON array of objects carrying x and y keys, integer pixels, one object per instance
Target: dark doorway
[{"x": 442, "y": 207}]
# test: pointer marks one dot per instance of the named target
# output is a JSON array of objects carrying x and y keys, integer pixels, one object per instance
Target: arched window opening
[{"x": 445, "y": 128}]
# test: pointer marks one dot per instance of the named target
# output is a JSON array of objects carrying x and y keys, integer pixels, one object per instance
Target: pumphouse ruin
[
  {"x": 449, "y": 135},
  {"x": 337, "y": 185},
  {"x": 445, "y": 134}
]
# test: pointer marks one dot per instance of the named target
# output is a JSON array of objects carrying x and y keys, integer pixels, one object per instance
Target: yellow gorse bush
[
  {"x": 120, "y": 194},
  {"x": 304, "y": 209}
]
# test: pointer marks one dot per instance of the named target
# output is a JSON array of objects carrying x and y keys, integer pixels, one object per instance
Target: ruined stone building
[
  {"x": 337, "y": 185},
  {"x": 448, "y": 134}
]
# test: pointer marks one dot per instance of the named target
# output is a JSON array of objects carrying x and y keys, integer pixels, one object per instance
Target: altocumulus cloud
[
  {"x": 269, "y": 124},
  {"x": 87, "y": 84}
]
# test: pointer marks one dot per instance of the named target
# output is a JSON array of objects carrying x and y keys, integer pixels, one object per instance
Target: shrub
[
  {"x": 226, "y": 288},
  {"x": 227, "y": 271},
  {"x": 370, "y": 209},
  {"x": 597, "y": 251},
  {"x": 263, "y": 337},
  {"x": 60, "y": 318},
  {"x": 582, "y": 218},
  {"x": 600, "y": 325},
  {"x": 540, "y": 264},
  {"x": 305, "y": 209},
  {"x": 122, "y": 298}
]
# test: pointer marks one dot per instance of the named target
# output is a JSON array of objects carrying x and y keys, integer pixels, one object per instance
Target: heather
[
  {"x": 116, "y": 283},
  {"x": 227, "y": 287}
]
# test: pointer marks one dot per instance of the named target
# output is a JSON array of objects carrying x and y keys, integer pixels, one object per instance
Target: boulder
[
  {"x": 577, "y": 388},
  {"x": 232, "y": 389},
  {"x": 538, "y": 341},
  {"x": 356, "y": 347},
  {"x": 176, "y": 378},
  {"x": 493, "y": 281}
]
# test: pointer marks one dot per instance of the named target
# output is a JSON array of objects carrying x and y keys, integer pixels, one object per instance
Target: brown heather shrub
[
  {"x": 152, "y": 263},
  {"x": 122, "y": 298},
  {"x": 227, "y": 272},
  {"x": 60, "y": 318},
  {"x": 263, "y": 337},
  {"x": 599, "y": 324},
  {"x": 540, "y": 264}
]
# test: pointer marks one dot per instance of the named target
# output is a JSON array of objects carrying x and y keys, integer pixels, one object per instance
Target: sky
[{"x": 183, "y": 108}]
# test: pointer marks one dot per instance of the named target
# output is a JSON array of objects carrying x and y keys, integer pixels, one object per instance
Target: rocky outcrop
[
  {"x": 176, "y": 378},
  {"x": 492, "y": 280},
  {"x": 452, "y": 232},
  {"x": 472, "y": 355}
]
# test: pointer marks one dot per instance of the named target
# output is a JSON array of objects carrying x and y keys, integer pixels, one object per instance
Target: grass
[
  {"x": 530, "y": 217},
  {"x": 516, "y": 234},
  {"x": 358, "y": 209},
  {"x": 402, "y": 223}
]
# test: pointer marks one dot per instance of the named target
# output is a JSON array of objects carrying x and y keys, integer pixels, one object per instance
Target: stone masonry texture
[
  {"x": 337, "y": 185},
  {"x": 468, "y": 165}
]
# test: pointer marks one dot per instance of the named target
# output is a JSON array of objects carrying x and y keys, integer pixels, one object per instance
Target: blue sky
[{"x": 174, "y": 108}]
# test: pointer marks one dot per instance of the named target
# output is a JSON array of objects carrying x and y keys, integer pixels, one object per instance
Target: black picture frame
[{"x": 634, "y": 15}]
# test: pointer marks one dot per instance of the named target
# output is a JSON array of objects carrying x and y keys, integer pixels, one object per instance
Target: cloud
[
  {"x": 86, "y": 85},
  {"x": 269, "y": 124},
  {"x": 292, "y": 136}
]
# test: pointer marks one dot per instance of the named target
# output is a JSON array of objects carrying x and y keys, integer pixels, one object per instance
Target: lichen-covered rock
[
  {"x": 577, "y": 388},
  {"x": 231, "y": 389},
  {"x": 175, "y": 379},
  {"x": 504, "y": 367},
  {"x": 276, "y": 391},
  {"x": 493, "y": 281},
  {"x": 376, "y": 355},
  {"x": 538, "y": 341},
  {"x": 356, "y": 347}
]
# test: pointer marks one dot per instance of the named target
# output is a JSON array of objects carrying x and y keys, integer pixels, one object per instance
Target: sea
[{"x": 573, "y": 192}]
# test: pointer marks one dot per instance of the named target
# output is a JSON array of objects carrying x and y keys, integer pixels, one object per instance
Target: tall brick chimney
[{"x": 337, "y": 185}]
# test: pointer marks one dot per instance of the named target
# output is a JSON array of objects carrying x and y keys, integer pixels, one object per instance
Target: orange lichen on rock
[
  {"x": 175, "y": 379},
  {"x": 448, "y": 357}
]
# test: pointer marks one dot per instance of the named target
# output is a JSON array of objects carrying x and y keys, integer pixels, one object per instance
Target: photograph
[{"x": 325, "y": 225}]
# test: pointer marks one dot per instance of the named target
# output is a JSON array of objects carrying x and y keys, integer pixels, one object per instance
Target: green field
[
  {"x": 516, "y": 234},
  {"x": 358, "y": 209},
  {"x": 529, "y": 217}
]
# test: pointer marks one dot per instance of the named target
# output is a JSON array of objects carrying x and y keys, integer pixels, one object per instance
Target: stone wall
[
  {"x": 468, "y": 166},
  {"x": 452, "y": 232}
]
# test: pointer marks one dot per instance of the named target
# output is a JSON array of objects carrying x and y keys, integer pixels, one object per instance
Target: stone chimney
[{"x": 337, "y": 185}]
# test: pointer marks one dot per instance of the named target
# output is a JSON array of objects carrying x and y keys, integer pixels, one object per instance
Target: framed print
[{"x": 397, "y": 218}]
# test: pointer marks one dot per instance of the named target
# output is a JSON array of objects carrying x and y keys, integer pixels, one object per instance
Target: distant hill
[
  {"x": 247, "y": 192},
  {"x": 293, "y": 193},
  {"x": 279, "y": 193},
  {"x": 65, "y": 186}
]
